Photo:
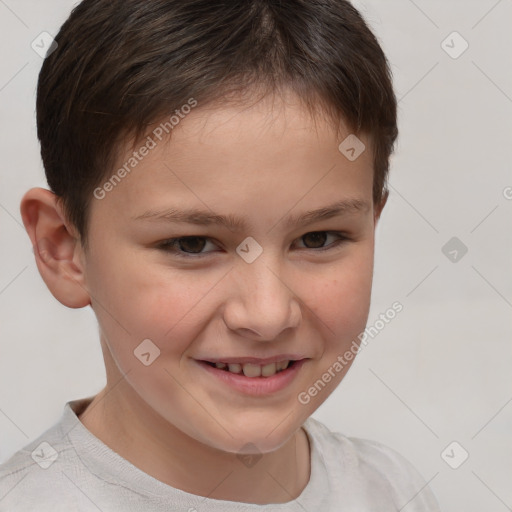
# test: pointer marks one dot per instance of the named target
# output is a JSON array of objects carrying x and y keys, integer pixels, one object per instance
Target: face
[{"x": 251, "y": 278}]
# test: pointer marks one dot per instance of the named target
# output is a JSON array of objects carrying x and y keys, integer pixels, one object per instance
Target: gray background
[{"x": 440, "y": 371}]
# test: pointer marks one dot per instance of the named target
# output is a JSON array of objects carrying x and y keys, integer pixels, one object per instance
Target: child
[{"x": 256, "y": 128}]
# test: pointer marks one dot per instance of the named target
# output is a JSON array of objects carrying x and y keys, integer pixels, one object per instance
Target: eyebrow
[{"x": 240, "y": 223}]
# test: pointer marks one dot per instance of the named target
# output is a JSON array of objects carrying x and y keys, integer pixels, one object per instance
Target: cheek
[
  {"x": 134, "y": 301},
  {"x": 340, "y": 296}
]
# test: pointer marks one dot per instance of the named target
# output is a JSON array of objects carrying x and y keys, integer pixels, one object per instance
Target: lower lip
[{"x": 256, "y": 386}]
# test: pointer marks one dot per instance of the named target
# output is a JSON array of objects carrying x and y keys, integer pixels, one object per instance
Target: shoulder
[
  {"x": 39, "y": 475},
  {"x": 372, "y": 467}
]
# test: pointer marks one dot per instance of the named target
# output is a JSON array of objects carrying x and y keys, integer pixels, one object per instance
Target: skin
[{"x": 172, "y": 419}]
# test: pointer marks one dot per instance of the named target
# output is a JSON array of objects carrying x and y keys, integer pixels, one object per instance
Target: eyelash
[{"x": 169, "y": 245}]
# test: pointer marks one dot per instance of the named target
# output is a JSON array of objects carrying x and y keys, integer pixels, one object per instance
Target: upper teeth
[{"x": 254, "y": 370}]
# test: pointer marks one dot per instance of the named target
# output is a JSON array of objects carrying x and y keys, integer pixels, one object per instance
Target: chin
[
  {"x": 251, "y": 444},
  {"x": 257, "y": 438}
]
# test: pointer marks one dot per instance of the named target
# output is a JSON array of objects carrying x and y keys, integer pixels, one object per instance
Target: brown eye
[
  {"x": 197, "y": 246},
  {"x": 194, "y": 244},
  {"x": 319, "y": 240},
  {"x": 315, "y": 240},
  {"x": 187, "y": 246}
]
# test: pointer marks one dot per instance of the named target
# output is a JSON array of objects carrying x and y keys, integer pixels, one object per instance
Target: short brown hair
[{"x": 122, "y": 65}]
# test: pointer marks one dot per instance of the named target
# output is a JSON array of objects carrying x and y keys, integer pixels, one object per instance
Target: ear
[
  {"x": 380, "y": 207},
  {"x": 56, "y": 247}
]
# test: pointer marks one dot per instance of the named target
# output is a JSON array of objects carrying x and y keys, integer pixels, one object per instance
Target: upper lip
[{"x": 254, "y": 360}]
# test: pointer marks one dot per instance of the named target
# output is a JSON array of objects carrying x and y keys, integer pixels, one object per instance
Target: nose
[{"x": 262, "y": 304}]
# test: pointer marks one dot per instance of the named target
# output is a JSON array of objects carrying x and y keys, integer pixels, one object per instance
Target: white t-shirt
[{"x": 73, "y": 471}]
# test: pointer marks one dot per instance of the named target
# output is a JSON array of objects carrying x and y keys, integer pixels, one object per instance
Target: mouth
[
  {"x": 253, "y": 370},
  {"x": 255, "y": 377}
]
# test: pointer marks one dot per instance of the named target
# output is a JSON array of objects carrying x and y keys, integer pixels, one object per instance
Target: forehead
[{"x": 233, "y": 157}]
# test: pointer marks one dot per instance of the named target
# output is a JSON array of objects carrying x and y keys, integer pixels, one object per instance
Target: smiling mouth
[{"x": 253, "y": 370}]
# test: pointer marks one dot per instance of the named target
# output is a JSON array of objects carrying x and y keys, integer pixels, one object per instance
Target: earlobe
[{"x": 54, "y": 245}]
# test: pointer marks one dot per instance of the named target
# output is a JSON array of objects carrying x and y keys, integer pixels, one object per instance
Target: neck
[{"x": 131, "y": 428}]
